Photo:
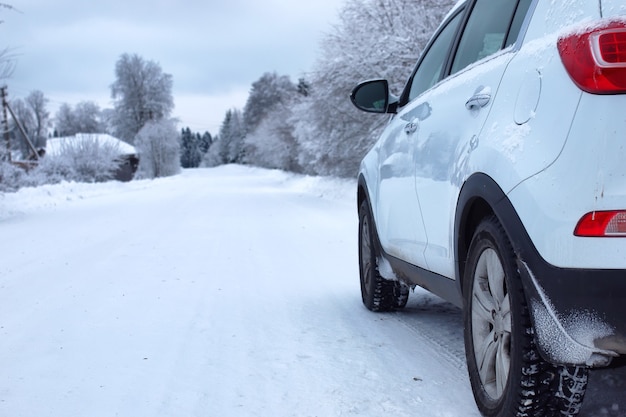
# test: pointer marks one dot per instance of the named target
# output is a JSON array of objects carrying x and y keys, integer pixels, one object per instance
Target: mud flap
[{"x": 554, "y": 330}]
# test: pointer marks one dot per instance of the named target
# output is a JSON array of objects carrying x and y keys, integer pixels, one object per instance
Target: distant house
[{"x": 127, "y": 153}]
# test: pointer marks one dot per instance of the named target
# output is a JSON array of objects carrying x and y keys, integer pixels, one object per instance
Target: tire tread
[{"x": 544, "y": 389}]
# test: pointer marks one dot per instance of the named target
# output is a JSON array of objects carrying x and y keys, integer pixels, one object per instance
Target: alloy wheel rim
[{"x": 491, "y": 324}]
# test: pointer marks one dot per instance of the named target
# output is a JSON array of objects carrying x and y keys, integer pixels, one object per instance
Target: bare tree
[
  {"x": 33, "y": 116},
  {"x": 7, "y": 62},
  {"x": 38, "y": 103},
  {"x": 24, "y": 115},
  {"x": 6, "y": 6}
]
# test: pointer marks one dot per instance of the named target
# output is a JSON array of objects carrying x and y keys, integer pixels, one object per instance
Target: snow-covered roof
[{"x": 54, "y": 145}]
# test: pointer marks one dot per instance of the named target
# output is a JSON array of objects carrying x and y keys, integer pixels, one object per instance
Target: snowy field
[{"x": 227, "y": 292}]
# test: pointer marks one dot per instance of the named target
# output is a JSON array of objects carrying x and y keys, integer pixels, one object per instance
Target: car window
[
  {"x": 518, "y": 21},
  {"x": 431, "y": 66},
  {"x": 485, "y": 33}
]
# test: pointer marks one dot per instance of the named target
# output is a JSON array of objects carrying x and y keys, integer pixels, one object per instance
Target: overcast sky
[{"x": 214, "y": 49}]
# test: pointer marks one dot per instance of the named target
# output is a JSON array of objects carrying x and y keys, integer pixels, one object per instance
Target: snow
[
  {"x": 385, "y": 270},
  {"x": 574, "y": 340},
  {"x": 515, "y": 137},
  {"x": 229, "y": 291},
  {"x": 55, "y": 145}
]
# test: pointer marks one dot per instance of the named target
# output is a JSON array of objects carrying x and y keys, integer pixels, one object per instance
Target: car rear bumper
[{"x": 579, "y": 314}]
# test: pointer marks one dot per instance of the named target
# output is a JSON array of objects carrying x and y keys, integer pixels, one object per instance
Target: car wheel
[
  {"x": 378, "y": 293},
  {"x": 507, "y": 374}
]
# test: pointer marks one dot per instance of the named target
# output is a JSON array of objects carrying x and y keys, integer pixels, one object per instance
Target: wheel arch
[
  {"x": 362, "y": 192},
  {"x": 480, "y": 197}
]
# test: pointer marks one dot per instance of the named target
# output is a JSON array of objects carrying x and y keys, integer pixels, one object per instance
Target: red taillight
[
  {"x": 609, "y": 47},
  {"x": 602, "y": 224},
  {"x": 596, "y": 58}
]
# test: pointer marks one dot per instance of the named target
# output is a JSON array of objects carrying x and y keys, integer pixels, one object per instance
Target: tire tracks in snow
[{"x": 438, "y": 325}]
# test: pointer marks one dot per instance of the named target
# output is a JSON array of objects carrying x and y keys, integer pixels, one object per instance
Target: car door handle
[
  {"x": 478, "y": 101},
  {"x": 411, "y": 128}
]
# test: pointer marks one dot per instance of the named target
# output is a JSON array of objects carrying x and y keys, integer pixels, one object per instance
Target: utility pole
[
  {"x": 5, "y": 122},
  {"x": 5, "y": 125}
]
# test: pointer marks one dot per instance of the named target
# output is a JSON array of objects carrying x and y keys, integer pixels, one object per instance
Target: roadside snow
[
  {"x": 229, "y": 291},
  {"x": 218, "y": 292}
]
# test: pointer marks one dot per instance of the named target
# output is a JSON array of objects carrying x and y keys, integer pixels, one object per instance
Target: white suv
[{"x": 499, "y": 184}]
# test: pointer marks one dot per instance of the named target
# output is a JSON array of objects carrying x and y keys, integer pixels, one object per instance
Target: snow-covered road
[{"x": 219, "y": 292}]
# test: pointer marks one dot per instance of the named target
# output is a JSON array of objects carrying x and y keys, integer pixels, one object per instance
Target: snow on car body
[{"x": 500, "y": 185}]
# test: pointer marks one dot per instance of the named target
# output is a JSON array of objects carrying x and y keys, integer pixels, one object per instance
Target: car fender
[{"x": 481, "y": 197}]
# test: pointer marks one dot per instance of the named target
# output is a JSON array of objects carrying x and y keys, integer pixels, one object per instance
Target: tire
[
  {"x": 377, "y": 293},
  {"x": 507, "y": 374}
]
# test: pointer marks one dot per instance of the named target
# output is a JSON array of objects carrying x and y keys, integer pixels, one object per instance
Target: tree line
[
  {"x": 307, "y": 126},
  {"x": 310, "y": 126},
  {"x": 141, "y": 116}
]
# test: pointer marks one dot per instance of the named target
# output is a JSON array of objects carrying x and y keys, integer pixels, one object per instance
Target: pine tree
[
  {"x": 205, "y": 142},
  {"x": 303, "y": 87},
  {"x": 190, "y": 149},
  {"x": 228, "y": 146}
]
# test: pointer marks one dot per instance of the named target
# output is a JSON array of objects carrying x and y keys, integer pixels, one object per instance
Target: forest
[{"x": 307, "y": 126}]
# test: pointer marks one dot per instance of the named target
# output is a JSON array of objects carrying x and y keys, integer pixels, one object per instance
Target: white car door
[
  {"x": 459, "y": 107},
  {"x": 398, "y": 214}
]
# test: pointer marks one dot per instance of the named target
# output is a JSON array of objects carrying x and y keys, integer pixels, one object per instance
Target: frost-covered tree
[
  {"x": 158, "y": 146},
  {"x": 31, "y": 112},
  {"x": 81, "y": 159},
  {"x": 233, "y": 134},
  {"x": 85, "y": 117},
  {"x": 12, "y": 178},
  {"x": 228, "y": 147},
  {"x": 266, "y": 94},
  {"x": 141, "y": 93},
  {"x": 269, "y": 140},
  {"x": 107, "y": 119},
  {"x": 64, "y": 121},
  {"x": 24, "y": 116},
  {"x": 38, "y": 104},
  {"x": 373, "y": 39},
  {"x": 273, "y": 144},
  {"x": 213, "y": 158}
]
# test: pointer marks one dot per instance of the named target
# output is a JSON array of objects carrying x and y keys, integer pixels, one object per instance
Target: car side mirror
[{"x": 373, "y": 97}]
